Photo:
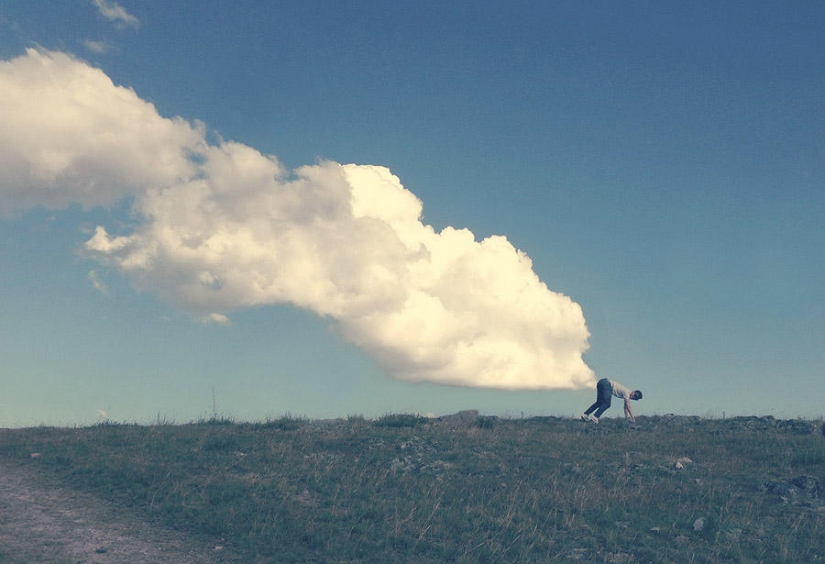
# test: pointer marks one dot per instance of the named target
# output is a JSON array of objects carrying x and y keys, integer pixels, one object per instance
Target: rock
[
  {"x": 798, "y": 426},
  {"x": 799, "y": 490},
  {"x": 681, "y": 463},
  {"x": 699, "y": 524},
  {"x": 619, "y": 558},
  {"x": 808, "y": 483},
  {"x": 461, "y": 420}
]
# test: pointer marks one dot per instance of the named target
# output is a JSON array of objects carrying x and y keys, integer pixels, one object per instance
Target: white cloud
[
  {"x": 96, "y": 283},
  {"x": 116, "y": 13},
  {"x": 217, "y": 319},
  {"x": 233, "y": 229},
  {"x": 71, "y": 136},
  {"x": 98, "y": 47}
]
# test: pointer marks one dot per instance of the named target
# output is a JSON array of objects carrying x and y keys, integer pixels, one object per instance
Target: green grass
[{"x": 407, "y": 489}]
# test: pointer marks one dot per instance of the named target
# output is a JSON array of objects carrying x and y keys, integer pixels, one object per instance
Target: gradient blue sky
[{"x": 661, "y": 163}]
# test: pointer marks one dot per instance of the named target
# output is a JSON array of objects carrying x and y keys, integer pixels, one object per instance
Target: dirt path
[{"x": 42, "y": 522}]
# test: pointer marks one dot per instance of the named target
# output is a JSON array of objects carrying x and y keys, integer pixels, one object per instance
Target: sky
[{"x": 329, "y": 209}]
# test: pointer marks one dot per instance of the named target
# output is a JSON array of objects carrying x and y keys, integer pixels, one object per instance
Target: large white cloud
[
  {"x": 69, "y": 135},
  {"x": 225, "y": 227}
]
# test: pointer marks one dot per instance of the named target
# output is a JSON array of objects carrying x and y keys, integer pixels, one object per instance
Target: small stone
[{"x": 699, "y": 524}]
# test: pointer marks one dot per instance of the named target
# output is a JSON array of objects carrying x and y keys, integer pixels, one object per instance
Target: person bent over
[{"x": 605, "y": 390}]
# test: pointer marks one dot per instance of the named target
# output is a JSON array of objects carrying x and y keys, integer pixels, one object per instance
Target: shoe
[
  {"x": 594, "y": 419},
  {"x": 585, "y": 417}
]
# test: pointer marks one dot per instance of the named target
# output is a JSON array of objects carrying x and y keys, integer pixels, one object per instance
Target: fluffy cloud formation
[
  {"x": 116, "y": 13},
  {"x": 69, "y": 135},
  {"x": 225, "y": 227}
]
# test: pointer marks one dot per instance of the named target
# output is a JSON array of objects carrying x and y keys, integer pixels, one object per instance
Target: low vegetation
[{"x": 461, "y": 489}]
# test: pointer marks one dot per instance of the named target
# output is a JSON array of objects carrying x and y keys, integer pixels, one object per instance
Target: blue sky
[{"x": 661, "y": 164}]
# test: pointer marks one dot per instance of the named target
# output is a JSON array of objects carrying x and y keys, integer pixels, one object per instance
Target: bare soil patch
[{"x": 42, "y": 521}]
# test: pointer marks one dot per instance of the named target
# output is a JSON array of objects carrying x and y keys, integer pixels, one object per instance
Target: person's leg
[
  {"x": 599, "y": 385},
  {"x": 604, "y": 392},
  {"x": 604, "y": 407},
  {"x": 592, "y": 408}
]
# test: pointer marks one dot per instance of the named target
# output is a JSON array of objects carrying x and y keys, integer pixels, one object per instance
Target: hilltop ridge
[{"x": 459, "y": 488}]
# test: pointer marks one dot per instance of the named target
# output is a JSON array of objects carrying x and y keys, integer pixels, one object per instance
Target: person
[{"x": 605, "y": 389}]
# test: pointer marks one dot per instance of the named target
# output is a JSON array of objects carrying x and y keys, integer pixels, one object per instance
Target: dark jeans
[{"x": 604, "y": 391}]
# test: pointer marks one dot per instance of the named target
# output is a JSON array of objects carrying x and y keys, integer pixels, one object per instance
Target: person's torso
[{"x": 620, "y": 391}]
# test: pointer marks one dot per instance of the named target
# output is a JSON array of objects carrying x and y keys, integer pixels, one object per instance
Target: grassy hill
[{"x": 462, "y": 488}]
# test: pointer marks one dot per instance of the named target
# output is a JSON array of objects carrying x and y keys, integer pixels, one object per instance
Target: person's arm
[{"x": 628, "y": 411}]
